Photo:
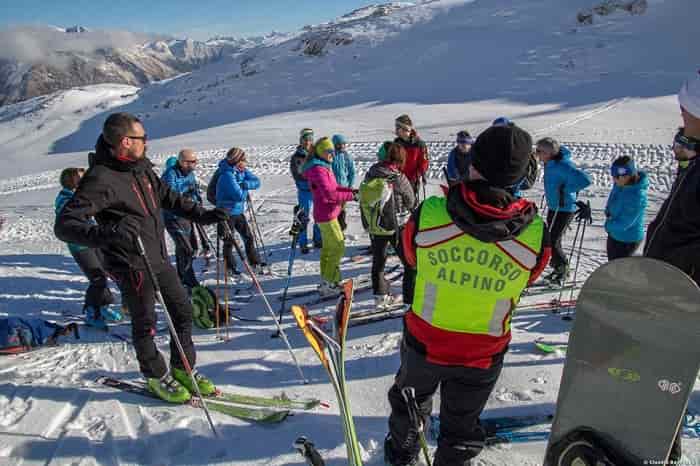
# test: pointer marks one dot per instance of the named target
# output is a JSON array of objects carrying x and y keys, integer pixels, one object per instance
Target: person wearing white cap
[{"x": 674, "y": 235}]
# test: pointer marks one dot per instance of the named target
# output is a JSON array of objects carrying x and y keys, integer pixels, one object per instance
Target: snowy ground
[
  {"x": 607, "y": 88},
  {"x": 52, "y": 413}
]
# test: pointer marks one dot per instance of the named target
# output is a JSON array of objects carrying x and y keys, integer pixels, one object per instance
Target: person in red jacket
[
  {"x": 416, "y": 152},
  {"x": 474, "y": 252}
]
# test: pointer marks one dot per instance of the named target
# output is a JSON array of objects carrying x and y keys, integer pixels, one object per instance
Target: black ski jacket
[
  {"x": 112, "y": 189},
  {"x": 674, "y": 235}
]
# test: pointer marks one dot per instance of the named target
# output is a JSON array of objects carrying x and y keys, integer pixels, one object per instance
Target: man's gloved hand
[
  {"x": 584, "y": 212},
  {"x": 212, "y": 216},
  {"x": 124, "y": 234}
]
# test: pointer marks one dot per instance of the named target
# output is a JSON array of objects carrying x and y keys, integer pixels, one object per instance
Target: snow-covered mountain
[{"x": 79, "y": 62}]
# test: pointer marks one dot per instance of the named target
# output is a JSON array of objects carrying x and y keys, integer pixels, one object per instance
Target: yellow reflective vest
[{"x": 466, "y": 285}]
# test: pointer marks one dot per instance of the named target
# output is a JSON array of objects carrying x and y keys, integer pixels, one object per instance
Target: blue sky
[{"x": 199, "y": 19}]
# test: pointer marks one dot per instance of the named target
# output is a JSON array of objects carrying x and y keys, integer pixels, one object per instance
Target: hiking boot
[
  {"x": 394, "y": 457},
  {"x": 206, "y": 386},
  {"x": 168, "y": 389},
  {"x": 111, "y": 314},
  {"x": 94, "y": 318},
  {"x": 326, "y": 289},
  {"x": 384, "y": 302}
]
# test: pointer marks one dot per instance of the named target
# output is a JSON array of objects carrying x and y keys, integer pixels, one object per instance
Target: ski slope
[{"x": 607, "y": 90}]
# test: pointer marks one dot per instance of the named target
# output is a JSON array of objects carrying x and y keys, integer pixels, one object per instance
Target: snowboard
[{"x": 630, "y": 366}]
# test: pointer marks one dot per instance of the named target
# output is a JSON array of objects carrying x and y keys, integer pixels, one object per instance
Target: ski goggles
[
  {"x": 468, "y": 141},
  {"x": 401, "y": 126},
  {"x": 686, "y": 142}
]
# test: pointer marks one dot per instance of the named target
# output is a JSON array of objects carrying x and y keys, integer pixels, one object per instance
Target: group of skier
[{"x": 468, "y": 255}]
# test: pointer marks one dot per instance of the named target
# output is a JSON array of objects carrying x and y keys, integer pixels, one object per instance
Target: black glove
[
  {"x": 356, "y": 195},
  {"x": 124, "y": 234},
  {"x": 584, "y": 212},
  {"x": 212, "y": 216},
  {"x": 243, "y": 185}
]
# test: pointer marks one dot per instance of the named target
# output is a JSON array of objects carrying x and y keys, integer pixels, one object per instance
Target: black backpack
[{"x": 211, "y": 188}]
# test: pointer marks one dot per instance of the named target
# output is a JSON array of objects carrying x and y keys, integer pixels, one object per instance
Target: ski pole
[
  {"x": 226, "y": 316},
  {"x": 257, "y": 226},
  {"x": 218, "y": 281},
  {"x": 409, "y": 396},
  {"x": 229, "y": 234},
  {"x": 294, "y": 231},
  {"x": 173, "y": 333},
  {"x": 578, "y": 260},
  {"x": 571, "y": 255}
]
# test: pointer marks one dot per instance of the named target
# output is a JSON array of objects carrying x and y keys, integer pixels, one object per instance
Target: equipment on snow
[
  {"x": 331, "y": 353},
  {"x": 307, "y": 449},
  {"x": 19, "y": 334},
  {"x": 228, "y": 235},
  {"x": 643, "y": 316},
  {"x": 257, "y": 234},
  {"x": 173, "y": 332},
  {"x": 264, "y": 415}
]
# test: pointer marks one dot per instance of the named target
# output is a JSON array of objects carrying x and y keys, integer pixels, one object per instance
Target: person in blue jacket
[
  {"x": 562, "y": 182},
  {"x": 459, "y": 159},
  {"x": 344, "y": 170},
  {"x": 303, "y": 153},
  {"x": 181, "y": 178},
  {"x": 89, "y": 260},
  {"x": 624, "y": 211},
  {"x": 232, "y": 187}
]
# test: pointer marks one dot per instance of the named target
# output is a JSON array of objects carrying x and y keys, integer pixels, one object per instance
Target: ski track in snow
[{"x": 52, "y": 413}]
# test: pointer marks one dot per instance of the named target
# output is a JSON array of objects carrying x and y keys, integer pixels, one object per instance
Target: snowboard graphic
[{"x": 631, "y": 363}]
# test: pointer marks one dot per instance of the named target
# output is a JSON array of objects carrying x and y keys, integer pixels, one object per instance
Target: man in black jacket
[
  {"x": 125, "y": 196},
  {"x": 674, "y": 235}
]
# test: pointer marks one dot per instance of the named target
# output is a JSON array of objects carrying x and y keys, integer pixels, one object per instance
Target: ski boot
[
  {"x": 111, "y": 314},
  {"x": 94, "y": 318},
  {"x": 385, "y": 302},
  {"x": 168, "y": 389},
  {"x": 206, "y": 386},
  {"x": 326, "y": 289},
  {"x": 558, "y": 276},
  {"x": 408, "y": 457}
]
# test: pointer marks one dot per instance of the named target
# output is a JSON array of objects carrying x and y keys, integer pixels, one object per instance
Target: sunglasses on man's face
[
  {"x": 143, "y": 138},
  {"x": 686, "y": 142},
  {"x": 193, "y": 162}
]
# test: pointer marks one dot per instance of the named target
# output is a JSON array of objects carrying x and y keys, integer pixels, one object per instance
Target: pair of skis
[
  {"x": 331, "y": 353},
  {"x": 265, "y": 410},
  {"x": 504, "y": 429}
]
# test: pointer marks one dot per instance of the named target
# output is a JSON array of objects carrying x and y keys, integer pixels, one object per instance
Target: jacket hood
[
  {"x": 488, "y": 213},
  {"x": 382, "y": 170},
  {"x": 103, "y": 156},
  {"x": 316, "y": 162},
  {"x": 224, "y": 166},
  {"x": 564, "y": 154}
]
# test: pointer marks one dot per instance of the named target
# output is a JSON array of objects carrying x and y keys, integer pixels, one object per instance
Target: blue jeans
[{"x": 306, "y": 202}]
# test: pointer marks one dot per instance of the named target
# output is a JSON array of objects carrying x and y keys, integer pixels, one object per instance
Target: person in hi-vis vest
[{"x": 474, "y": 251}]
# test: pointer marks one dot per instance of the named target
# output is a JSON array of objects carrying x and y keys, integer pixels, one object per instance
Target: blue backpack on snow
[{"x": 18, "y": 334}]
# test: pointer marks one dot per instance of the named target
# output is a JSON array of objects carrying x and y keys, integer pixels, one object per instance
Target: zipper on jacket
[
  {"x": 668, "y": 209},
  {"x": 140, "y": 198}
]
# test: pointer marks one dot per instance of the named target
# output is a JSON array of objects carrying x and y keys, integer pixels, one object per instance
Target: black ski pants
[
  {"x": 240, "y": 224},
  {"x": 139, "y": 295},
  {"x": 618, "y": 249},
  {"x": 183, "y": 235},
  {"x": 463, "y": 395},
  {"x": 557, "y": 223},
  {"x": 380, "y": 285},
  {"x": 90, "y": 262}
]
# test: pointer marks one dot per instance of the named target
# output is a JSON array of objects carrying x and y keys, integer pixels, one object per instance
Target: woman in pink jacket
[{"x": 328, "y": 199}]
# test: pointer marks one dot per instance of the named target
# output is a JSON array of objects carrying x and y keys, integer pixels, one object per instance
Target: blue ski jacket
[
  {"x": 563, "y": 181},
  {"x": 185, "y": 185},
  {"x": 233, "y": 186},
  {"x": 344, "y": 169},
  {"x": 62, "y": 199},
  {"x": 625, "y": 209}
]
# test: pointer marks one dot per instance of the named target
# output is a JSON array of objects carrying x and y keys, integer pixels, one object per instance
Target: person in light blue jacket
[
  {"x": 232, "y": 187},
  {"x": 89, "y": 260},
  {"x": 562, "y": 183},
  {"x": 180, "y": 176},
  {"x": 344, "y": 170},
  {"x": 624, "y": 211}
]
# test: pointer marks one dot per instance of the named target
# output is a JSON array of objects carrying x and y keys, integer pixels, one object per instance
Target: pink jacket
[{"x": 328, "y": 197}]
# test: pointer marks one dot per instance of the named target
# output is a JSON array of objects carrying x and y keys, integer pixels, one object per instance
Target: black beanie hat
[{"x": 501, "y": 154}]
